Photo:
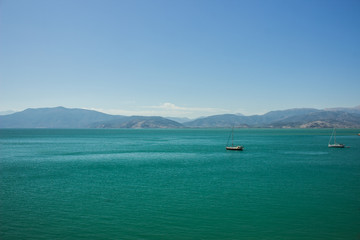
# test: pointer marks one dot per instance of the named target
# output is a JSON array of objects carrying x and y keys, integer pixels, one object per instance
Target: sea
[{"x": 178, "y": 184}]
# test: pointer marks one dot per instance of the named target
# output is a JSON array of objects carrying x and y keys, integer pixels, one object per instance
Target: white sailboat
[
  {"x": 233, "y": 147},
  {"x": 334, "y": 144}
]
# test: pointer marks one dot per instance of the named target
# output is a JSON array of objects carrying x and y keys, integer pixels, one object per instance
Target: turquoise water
[{"x": 178, "y": 184}]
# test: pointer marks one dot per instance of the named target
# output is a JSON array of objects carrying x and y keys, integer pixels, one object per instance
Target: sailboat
[
  {"x": 334, "y": 144},
  {"x": 232, "y": 147}
]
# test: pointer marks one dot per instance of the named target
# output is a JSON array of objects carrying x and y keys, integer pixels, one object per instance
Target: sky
[{"x": 179, "y": 58}]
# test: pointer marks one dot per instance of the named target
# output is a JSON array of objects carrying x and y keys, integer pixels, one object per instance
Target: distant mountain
[
  {"x": 138, "y": 122},
  {"x": 283, "y": 114},
  {"x": 229, "y": 120},
  {"x": 291, "y": 118},
  {"x": 61, "y": 117},
  {"x": 348, "y": 110},
  {"x": 179, "y": 120},
  {"x": 224, "y": 120},
  {"x": 321, "y": 119},
  {"x": 58, "y": 117}
]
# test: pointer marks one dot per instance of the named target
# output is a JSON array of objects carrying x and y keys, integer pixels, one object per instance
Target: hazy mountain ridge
[
  {"x": 321, "y": 119},
  {"x": 179, "y": 119},
  {"x": 58, "y": 117},
  {"x": 291, "y": 118},
  {"x": 341, "y": 109},
  {"x": 138, "y": 122},
  {"x": 230, "y": 120},
  {"x": 61, "y": 117}
]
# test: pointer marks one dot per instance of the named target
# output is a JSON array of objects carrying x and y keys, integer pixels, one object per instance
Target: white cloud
[{"x": 169, "y": 106}]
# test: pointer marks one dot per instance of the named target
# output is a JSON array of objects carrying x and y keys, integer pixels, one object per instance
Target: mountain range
[{"x": 60, "y": 117}]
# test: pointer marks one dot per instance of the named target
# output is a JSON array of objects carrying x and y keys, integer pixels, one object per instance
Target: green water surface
[{"x": 178, "y": 184}]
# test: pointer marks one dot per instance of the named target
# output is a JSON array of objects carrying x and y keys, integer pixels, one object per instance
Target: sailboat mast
[{"x": 232, "y": 137}]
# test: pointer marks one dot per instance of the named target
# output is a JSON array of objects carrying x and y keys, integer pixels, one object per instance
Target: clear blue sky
[{"x": 179, "y": 58}]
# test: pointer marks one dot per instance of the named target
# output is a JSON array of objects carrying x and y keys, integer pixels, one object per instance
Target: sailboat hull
[
  {"x": 336, "y": 145},
  {"x": 237, "y": 148}
]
